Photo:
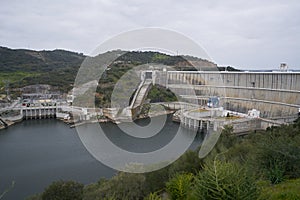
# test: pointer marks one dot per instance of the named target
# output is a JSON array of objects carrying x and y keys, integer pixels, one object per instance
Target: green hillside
[
  {"x": 12, "y": 60},
  {"x": 26, "y": 67},
  {"x": 21, "y": 67}
]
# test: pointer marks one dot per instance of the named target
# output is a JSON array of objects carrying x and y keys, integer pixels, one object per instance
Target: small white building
[{"x": 254, "y": 113}]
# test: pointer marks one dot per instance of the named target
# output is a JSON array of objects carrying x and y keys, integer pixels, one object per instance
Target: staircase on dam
[
  {"x": 131, "y": 112},
  {"x": 141, "y": 94}
]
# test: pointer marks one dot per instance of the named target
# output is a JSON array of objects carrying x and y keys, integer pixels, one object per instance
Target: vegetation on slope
[
  {"x": 287, "y": 190},
  {"x": 161, "y": 94},
  {"x": 59, "y": 68},
  {"x": 26, "y": 67},
  {"x": 30, "y": 61}
]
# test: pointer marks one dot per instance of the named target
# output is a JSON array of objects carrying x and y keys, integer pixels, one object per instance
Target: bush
[
  {"x": 224, "y": 181},
  {"x": 63, "y": 190},
  {"x": 189, "y": 162},
  {"x": 282, "y": 191},
  {"x": 153, "y": 196},
  {"x": 155, "y": 181},
  {"x": 180, "y": 186},
  {"x": 277, "y": 156},
  {"x": 124, "y": 186}
]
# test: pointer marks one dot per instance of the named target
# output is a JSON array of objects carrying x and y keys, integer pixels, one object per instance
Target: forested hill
[
  {"x": 42, "y": 61},
  {"x": 21, "y": 67}
]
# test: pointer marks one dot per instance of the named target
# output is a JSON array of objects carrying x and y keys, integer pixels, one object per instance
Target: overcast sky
[{"x": 252, "y": 34}]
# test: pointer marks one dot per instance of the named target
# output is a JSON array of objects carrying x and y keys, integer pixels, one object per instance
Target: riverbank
[
  {"x": 13, "y": 120},
  {"x": 74, "y": 124},
  {"x": 105, "y": 120},
  {"x": 79, "y": 123},
  {"x": 9, "y": 123},
  {"x": 65, "y": 117}
]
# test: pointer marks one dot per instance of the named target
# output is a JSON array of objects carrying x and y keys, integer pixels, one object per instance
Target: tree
[
  {"x": 224, "y": 181},
  {"x": 189, "y": 162},
  {"x": 123, "y": 186},
  {"x": 7, "y": 190},
  {"x": 153, "y": 196},
  {"x": 227, "y": 138},
  {"x": 155, "y": 181},
  {"x": 63, "y": 190},
  {"x": 277, "y": 156},
  {"x": 180, "y": 186}
]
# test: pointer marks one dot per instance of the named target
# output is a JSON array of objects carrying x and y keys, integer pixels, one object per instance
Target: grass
[
  {"x": 200, "y": 110},
  {"x": 232, "y": 117},
  {"x": 287, "y": 190},
  {"x": 158, "y": 57},
  {"x": 13, "y": 77}
]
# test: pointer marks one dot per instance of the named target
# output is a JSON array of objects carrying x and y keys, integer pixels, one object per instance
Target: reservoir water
[{"x": 35, "y": 153}]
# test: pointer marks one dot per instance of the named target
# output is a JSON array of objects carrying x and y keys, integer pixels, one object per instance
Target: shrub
[
  {"x": 63, "y": 190},
  {"x": 153, "y": 196},
  {"x": 277, "y": 156},
  {"x": 180, "y": 186},
  {"x": 123, "y": 186},
  {"x": 189, "y": 162},
  {"x": 224, "y": 181},
  {"x": 282, "y": 191}
]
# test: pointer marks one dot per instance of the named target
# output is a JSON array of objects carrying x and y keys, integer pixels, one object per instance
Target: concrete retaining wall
[{"x": 273, "y": 93}]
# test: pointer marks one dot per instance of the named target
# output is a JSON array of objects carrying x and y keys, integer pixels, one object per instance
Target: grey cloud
[{"x": 258, "y": 34}]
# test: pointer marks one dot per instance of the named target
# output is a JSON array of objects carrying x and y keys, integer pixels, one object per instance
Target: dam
[
  {"x": 254, "y": 100},
  {"x": 274, "y": 94}
]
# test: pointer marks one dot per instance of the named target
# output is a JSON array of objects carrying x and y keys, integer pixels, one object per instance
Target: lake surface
[{"x": 35, "y": 153}]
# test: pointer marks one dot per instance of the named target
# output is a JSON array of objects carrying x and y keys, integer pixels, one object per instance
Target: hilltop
[{"x": 42, "y": 61}]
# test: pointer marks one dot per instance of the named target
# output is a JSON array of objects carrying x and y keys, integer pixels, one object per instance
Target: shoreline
[
  {"x": 73, "y": 124},
  {"x": 144, "y": 116}
]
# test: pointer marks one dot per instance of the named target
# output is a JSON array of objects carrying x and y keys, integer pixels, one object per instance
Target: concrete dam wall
[{"x": 273, "y": 93}]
